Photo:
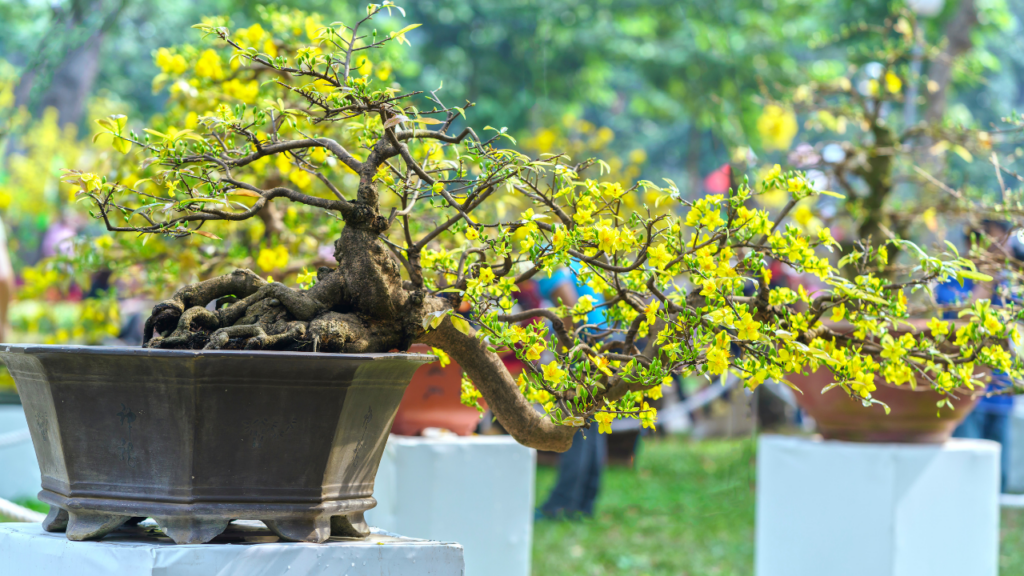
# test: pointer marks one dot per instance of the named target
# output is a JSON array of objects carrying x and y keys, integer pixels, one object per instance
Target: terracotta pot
[
  {"x": 432, "y": 400},
  {"x": 195, "y": 438},
  {"x": 912, "y": 420}
]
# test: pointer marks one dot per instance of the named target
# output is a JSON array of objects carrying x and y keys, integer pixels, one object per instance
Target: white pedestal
[
  {"x": 476, "y": 490},
  {"x": 27, "y": 550},
  {"x": 19, "y": 470},
  {"x": 851, "y": 509},
  {"x": 1015, "y": 472}
]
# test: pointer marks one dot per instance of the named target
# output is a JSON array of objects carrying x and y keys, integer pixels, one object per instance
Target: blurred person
[
  {"x": 990, "y": 419},
  {"x": 579, "y": 467}
]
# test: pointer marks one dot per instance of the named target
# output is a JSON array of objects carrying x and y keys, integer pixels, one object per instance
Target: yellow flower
[
  {"x": 533, "y": 352},
  {"x": 893, "y": 83},
  {"x": 607, "y": 238},
  {"x": 654, "y": 393},
  {"x": 486, "y": 275},
  {"x": 272, "y": 258},
  {"x": 604, "y": 422},
  {"x": 444, "y": 360},
  {"x": 777, "y": 127},
  {"x": 312, "y": 27},
  {"x": 472, "y": 233},
  {"x": 891, "y": 349},
  {"x": 306, "y": 277},
  {"x": 938, "y": 327},
  {"x": 559, "y": 238},
  {"x": 648, "y": 415},
  {"x": 747, "y": 328},
  {"x": 251, "y": 35},
  {"x": 170, "y": 63},
  {"x": 659, "y": 256},
  {"x": 712, "y": 219},
  {"x": 717, "y": 360},
  {"x": 651, "y": 310},
  {"x": 208, "y": 65},
  {"x": 552, "y": 373},
  {"x": 839, "y": 313},
  {"x": 601, "y": 363},
  {"x": 301, "y": 178},
  {"x": 470, "y": 396},
  {"x": 993, "y": 325},
  {"x": 244, "y": 91}
]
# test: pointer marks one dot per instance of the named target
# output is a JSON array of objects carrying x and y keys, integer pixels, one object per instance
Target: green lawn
[{"x": 686, "y": 509}]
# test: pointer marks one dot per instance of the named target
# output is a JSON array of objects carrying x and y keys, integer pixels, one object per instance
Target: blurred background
[{"x": 661, "y": 89}]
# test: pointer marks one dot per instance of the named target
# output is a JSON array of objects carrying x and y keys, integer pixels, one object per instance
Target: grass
[{"x": 686, "y": 509}]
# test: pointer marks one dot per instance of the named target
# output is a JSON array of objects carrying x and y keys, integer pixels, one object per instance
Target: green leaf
[
  {"x": 121, "y": 145},
  {"x": 406, "y": 29},
  {"x": 120, "y": 120},
  {"x": 460, "y": 324},
  {"x": 962, "y": 152},
  {"x": 978, "y": 276},
  {"x": 437, "y": 319},
  {"x": 832, "y": 194}
]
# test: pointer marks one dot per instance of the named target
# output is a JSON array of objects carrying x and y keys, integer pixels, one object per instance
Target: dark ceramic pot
[{"x": 194, "y": 439}]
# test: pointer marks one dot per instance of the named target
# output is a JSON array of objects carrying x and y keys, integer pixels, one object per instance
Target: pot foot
[
  {"x": 192, "y": 530},
  {"x": 351, "y": 526},
  {"x": 56, "y": 520},
  {"x": 85, "y": 525},
  {"x": 316, "y": 529}
]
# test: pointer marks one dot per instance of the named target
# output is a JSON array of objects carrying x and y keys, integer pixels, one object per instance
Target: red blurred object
[
  {"x": 432, "y": 401},
  {"x": 718, "y": 182}
]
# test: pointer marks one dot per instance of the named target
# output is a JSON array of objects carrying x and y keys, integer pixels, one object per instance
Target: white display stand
[
  {"x": 26, "y": 550},
  {"x": 851, "y": 509},
  {"x": 19, "y": 470},
  {"x": 477, "y": 490},
  {"x": 1015, "y": 473}
]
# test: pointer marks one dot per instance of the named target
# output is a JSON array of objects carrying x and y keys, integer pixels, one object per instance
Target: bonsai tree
[
  {"x": 420, "y": 202},
  {"x": 865, "y": 132}
]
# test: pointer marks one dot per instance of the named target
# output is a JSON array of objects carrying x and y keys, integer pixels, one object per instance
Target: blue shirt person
[{"x": 991, "y": 417}]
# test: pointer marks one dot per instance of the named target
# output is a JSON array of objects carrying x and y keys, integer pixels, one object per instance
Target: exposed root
[{"x": 377, "y": 315}]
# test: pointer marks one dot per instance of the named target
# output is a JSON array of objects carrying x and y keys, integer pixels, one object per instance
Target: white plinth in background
[
  {"x": 851, "y": 509},
  {"x": 19, "y": 470},
  {"x": 26, "y": 550},
  {"x": 477, "y": 491},
  {"x": 1015, "y": 473}
]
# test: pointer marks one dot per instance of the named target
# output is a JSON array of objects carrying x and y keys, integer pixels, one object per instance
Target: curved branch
[
  {"x": 499, "y": 389},
  {"x": 285, "y": 146}
]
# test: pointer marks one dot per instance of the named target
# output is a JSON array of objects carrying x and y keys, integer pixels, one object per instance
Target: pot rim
[{"x": 33, "y": 349}]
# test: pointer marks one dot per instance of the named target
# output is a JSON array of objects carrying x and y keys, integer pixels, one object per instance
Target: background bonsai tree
[
  {"x": 427, "y": 219},
  {"x": 864, "y": 130}
]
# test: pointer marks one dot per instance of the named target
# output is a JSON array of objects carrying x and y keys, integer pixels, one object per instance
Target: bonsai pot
[
  {"x": 914, "y": 416},
  {"x": 433, "y": 400},
  {"x": 195, "y": 439}
]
